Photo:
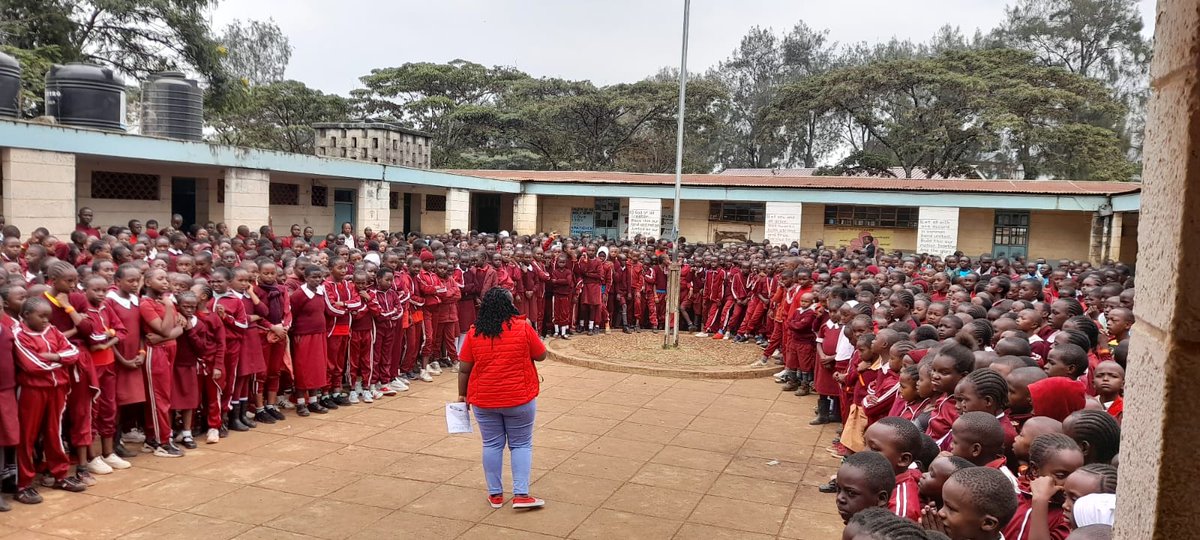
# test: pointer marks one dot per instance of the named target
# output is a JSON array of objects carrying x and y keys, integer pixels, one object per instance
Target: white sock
[
  {"x": 591, "y": 325},
  {"x": 299, "y": 401},
  {"x": 186, "y": 433}
]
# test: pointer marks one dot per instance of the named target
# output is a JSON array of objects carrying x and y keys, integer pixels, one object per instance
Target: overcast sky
[{"x": 605, "y": 41}]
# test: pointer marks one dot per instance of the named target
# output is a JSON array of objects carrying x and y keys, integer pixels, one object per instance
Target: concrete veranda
[{"x": 615, "y": 456}]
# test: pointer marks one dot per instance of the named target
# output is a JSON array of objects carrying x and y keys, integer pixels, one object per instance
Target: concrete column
[
  {"x": 458, "y": 209},
  {"x": 247, "y": 198},
  {"x": 371, "y": 208},
  {"x": 1114, "y": 237},
  {"x": 525, "y": 213},
  {"x": 39, "y": 190},
  {"x": 1157, "y": 495},
  {"x": 1096, "y": 239}
]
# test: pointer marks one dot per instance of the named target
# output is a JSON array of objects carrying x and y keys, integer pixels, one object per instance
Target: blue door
[{"x": 343, "y": 209}]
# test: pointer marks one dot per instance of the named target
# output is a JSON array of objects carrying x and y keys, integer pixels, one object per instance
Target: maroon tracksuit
[{"x": 42, "y": 400}]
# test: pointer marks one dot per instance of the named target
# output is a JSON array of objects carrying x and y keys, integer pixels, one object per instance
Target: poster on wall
[
  {"x": 852, "y": 237},
  {"x": 783, "y": 222},
  {"x": 668, "y": 224},
  {"x": 645, "y": 217},
  {"x": 937, "y": 230},
  {"x": 583, "y": 221}
]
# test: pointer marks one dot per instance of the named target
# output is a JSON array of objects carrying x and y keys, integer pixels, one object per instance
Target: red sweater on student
[
  {"x": 38, "y": 372},
  {"x": 906, "y": 497}
]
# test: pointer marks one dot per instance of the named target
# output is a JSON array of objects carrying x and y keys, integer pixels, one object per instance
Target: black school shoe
[
  {"x": 302, "y": 410},
  {"x": 328, "y": 403},
  {"x": 317, "y": 407},
  {"x": 342, "y": 400},
  {"x": 276, "y": 414},
  {"x": 264, "y": 417},
  {"x": 187, "y": 442},
  {"x": 122, "y": 452}
]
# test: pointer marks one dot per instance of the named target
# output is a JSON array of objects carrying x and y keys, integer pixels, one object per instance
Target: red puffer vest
[{"x": 502, "y": 374}]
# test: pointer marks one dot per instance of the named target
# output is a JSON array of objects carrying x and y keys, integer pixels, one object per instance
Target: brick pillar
[
  {"x": 247, "y": 198},
  {"x": 372, "y": 209},
  {"x": 39, "y": 190},
  {"x": 525, "y": 213},
  {"x": 458, "y": 209},
  {"x": 1157, "y": 495}
]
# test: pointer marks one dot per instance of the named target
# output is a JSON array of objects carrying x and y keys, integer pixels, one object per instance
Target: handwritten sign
[
  {"x": 583, "y": 221},
  {"x": 645, "y": 217},
  {"x": 937, "y": 230},
  {"x": 782, "y": 222}
]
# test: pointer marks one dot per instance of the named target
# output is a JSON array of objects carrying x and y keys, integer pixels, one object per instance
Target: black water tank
[
  {"x": 173, "y": 106},
  {"x": 10, "y": 86},
  {"x": 85, "y": 95}
]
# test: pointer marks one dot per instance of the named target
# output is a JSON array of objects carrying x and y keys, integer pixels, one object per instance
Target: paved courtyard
[{"x": 616, "y": 456}]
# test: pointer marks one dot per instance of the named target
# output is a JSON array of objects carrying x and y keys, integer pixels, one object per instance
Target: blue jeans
[{"x": 514, "y": 426}]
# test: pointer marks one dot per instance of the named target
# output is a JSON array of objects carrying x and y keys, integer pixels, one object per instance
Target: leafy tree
[
  {"x": 256, "y": 52},
  {"x": 1101, "y": 39},
  {"x": 760, "y": 65},
  {"x": 948, "y": 114},
  {"x": 429, "y": 97},
  {"x": 279, "y": 116}
]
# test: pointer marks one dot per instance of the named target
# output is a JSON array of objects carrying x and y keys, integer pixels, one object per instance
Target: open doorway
[{"x": 183, "y": 200}]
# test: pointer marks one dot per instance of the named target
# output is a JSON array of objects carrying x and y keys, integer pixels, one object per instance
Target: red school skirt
[{"x": 309, "y": 361}]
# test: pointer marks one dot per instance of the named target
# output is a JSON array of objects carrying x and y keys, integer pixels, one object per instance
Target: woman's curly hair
[{"x": 495, "y": 310}]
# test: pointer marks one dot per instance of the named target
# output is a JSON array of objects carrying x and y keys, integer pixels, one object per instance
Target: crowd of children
[
  {"x": 946, "y": 375},
  {"x": 976, "y": 401}
]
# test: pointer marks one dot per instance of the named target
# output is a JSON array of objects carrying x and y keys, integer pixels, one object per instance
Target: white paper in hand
[{"x": 458, "y": 418}]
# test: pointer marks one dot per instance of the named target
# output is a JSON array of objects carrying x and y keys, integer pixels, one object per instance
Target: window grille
[{"x": 125, "y": 186}]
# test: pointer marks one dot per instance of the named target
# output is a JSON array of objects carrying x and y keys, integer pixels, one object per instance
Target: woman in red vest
[{"x": 498, "y": 379}]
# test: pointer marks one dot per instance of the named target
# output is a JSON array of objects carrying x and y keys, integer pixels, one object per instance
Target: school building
[{"x": 50, "y": 171}]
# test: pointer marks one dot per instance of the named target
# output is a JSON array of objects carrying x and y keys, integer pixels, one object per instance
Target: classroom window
[
  {"x": 737, "y": 211},
  {"x": 435, "y": 203},
  {"x": 221, "y": 190},
  {"x": 320, "y": 196},
  {"x": 126, "y": 186},
  {"x": 394, "y": 200},
  {"x": 887, "y": 217},
  {"x": 284, "y": 194},
  {"x": 1012, "y": 229}
]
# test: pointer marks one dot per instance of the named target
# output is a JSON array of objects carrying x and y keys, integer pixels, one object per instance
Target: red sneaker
[
  {"x": 525, "y": 501},
  {"x": 497, "y": 501}
]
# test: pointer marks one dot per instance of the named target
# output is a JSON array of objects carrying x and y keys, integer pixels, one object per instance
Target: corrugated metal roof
[
  {"x": 898, "y": 172},
  {"x": 1044, "y": 187}
]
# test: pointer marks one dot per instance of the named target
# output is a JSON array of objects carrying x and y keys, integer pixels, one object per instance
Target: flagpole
[{"x": 671, "y": 338}]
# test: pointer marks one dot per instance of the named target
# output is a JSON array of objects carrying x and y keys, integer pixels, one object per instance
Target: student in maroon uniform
[
  {"x": 232, "y": 311},
  {"x": 446, "y": 326},
  {"x": 210, "y": 366},
  {"x": 195, "y": 344},
  {"x": 43, "y": 357},
  {"x": 68, "y": 313},
  {"x": 386, "y": 320},
  {"x": 562, "y": 282},
  {"x": 343, "y": 300},
  {"x": 363, "y": 337},
  {"x": 10, "y": 423},
  {"x": 106, "y": 331},
  {"x": 129, "y": 352},
  {"x": 428, "y": 284},
  {"x": 253, "y": 365},
  {"x": 414, "y": 336},
  {"x": 275, "y": 326},
  {"x": 161, "y": 325},
  {"x": 309, "y": 327}
]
